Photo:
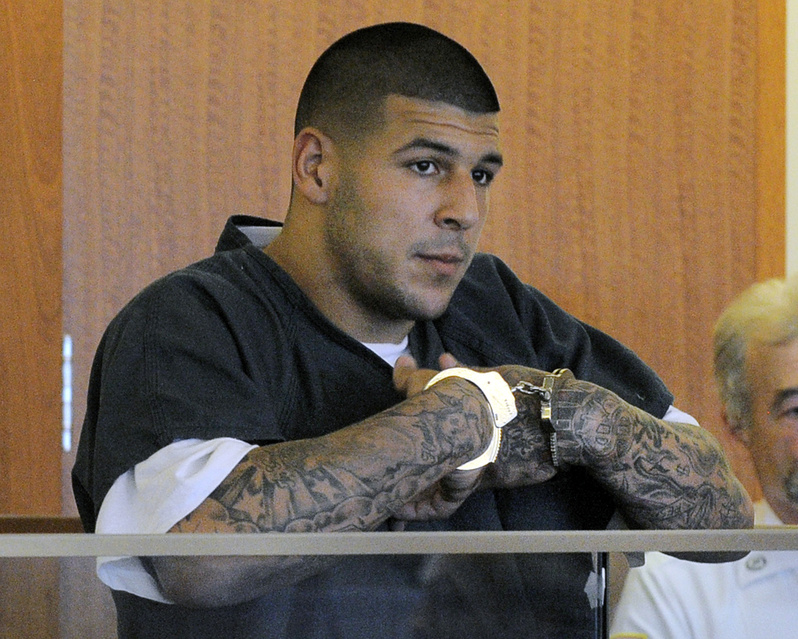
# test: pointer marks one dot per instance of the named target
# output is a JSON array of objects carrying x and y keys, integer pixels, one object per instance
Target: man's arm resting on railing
[
  {"x": 663, "y": 475},
  {"x": 387, "y": 466}
]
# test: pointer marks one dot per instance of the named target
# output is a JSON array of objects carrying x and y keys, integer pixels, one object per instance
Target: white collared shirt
[{"x": 753, "y": 598}]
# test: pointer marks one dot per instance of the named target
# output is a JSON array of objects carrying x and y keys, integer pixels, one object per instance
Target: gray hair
[{"x": 766, "y": 313}]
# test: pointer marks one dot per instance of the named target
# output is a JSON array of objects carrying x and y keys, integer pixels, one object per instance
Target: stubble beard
[
  {"x": 365, "y": 272},
  {"x": 372, "y": 282}
]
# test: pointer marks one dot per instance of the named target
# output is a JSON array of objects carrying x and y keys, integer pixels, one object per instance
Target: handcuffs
[{"x": 503, "y": 408}]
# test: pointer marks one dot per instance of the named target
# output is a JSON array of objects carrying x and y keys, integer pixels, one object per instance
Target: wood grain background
[{"x": 30, "y": 237}]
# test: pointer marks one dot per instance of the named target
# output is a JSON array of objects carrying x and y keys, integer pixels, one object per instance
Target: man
[
  {"x": 291, "y": 388},
  {"x": 756, "y": 368}
]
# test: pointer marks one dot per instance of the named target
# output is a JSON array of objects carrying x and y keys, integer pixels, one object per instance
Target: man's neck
[{"x": 300, "y": 261}]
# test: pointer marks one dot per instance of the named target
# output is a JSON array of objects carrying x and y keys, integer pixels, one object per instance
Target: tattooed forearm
[
  {"x": 353, "y": 479},
  {"x": 664, "y": 474}
]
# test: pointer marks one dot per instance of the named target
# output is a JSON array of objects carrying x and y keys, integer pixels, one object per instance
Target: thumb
[
  {"x": 403, "y": 369},
  {"x": 447, "y": 360}
]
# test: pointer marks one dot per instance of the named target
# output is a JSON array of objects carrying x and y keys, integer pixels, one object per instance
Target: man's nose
[{"x": 461, "y": 205}]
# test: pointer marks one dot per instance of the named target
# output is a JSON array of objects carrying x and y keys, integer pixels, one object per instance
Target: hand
[
  {"x": 442, "y": 499},
  {"x": 525, "y": 456},
  {"x": 409, "y": 379}
]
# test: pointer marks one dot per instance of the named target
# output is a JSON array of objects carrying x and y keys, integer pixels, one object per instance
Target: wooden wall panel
[
  {"x": 632, "y": 130},
  {"x": 29, "y": 598},
  {"x": 52, "y": 598},
  {"x": 771, "y": 138},
  {"x": 30, "y": 277}
]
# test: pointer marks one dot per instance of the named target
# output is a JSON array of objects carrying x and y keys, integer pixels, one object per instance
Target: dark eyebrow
[
  {"x": 445, "y": 149},
  {"x": 782, "y": 396}
]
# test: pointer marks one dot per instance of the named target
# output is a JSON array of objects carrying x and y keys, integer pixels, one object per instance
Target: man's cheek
[{"x": 791, "y": 484}]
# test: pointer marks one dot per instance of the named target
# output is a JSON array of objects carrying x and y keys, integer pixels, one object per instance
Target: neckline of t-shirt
[{"x": 388, "y": 351}]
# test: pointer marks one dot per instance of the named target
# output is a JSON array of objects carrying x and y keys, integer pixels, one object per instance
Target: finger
[
  {"x": 402, "y": 372},
  {"x": 447, "y": 360},
  {"x": 396, "y": 525},
  {"x": 418, "y": 381},
  {"x": 461, "y": 483}
]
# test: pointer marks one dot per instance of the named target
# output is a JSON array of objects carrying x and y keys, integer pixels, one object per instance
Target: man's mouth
[
  {"x": 453, "y": 257},
  {"x": 444, "y": 263}
]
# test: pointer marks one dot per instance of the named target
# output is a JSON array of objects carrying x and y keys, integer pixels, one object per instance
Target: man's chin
[
  {"x": 416, "y": 304},
  {"x": 425, "y": 312},
  {"x": 433, "y": 309}
]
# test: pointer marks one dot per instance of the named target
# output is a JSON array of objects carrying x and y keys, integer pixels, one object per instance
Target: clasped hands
[{"x": 524, "y": 458}]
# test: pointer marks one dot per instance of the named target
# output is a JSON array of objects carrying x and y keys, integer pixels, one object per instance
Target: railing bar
[{"x": 395, "y": 543}]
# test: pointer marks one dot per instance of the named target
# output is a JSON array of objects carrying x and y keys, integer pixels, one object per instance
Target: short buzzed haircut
[{"x": 346, "y": 88}]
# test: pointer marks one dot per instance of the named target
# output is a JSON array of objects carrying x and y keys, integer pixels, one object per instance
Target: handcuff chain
[
  {"x": 528, "y": 388},
  {"x": 545, "y": 393}
]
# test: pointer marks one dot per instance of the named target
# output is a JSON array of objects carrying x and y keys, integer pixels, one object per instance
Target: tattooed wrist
[{"x": 591, "y": 424}]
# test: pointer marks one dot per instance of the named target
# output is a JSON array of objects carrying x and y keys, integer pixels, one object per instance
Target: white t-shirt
[{"x": 753, "y": 598}]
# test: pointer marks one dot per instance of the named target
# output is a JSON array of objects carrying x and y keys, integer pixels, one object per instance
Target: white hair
[{"x": 766, "y": 313}]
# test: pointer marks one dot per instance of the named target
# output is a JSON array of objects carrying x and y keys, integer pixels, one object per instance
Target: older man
[{"x": 756, "y": 367}]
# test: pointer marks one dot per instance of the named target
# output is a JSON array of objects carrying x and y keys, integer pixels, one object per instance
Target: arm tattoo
[
  {"x": 524, "y": 456},
  {"x": 664, "y": 474},
  {"x": 355, "y": 478}
]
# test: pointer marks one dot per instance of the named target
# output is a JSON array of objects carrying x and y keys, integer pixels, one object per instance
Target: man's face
[
  {"x": 408, "y": 208},
  {"x": 772, "y": 438}
]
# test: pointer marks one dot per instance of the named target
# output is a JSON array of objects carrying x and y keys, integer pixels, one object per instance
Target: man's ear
[
  {"x": 738, "y": 431},
  {"x": 313, "y": 165}
]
